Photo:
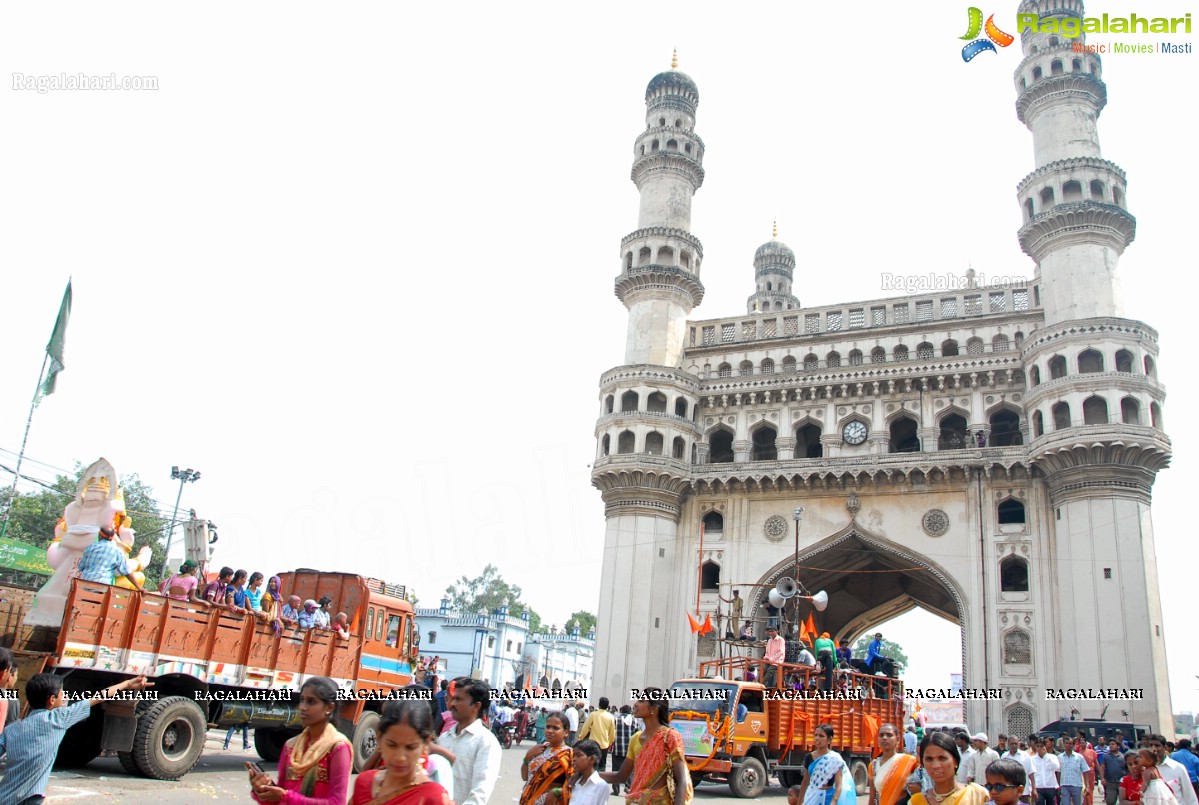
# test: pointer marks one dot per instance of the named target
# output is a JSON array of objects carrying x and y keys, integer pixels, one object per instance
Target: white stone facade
[{"x": 1038, "y": 541}]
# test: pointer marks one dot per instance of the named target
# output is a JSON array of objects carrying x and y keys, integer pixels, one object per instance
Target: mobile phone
[{"x": 254, "y": 767}]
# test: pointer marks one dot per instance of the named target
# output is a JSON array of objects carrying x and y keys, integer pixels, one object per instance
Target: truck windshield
[{"x": 703, "y": 697}]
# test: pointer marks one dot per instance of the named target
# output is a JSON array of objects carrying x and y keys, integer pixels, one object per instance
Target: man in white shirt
[
  {"x": 1045, "y": 769},
  {"x": 1023, "y": 758},
  {"x": 572, "y": 715},
  {"x": 588, "y": 788},
  {"x": 805, "y": 658},
  {"x": 910, "y": 743},
  {"x": 476, "y": 751},
  {"x": 1173, "y": 773},
  {"x": 983, "y": 756},
  {"x": 966, "y": 753}
]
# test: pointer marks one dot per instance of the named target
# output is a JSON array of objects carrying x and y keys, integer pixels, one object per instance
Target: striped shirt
[
  {"x": 103, "y": 561},
  {"x": 31, "y": 745}
]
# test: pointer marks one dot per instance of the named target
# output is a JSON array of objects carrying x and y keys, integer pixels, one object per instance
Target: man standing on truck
[
  {"x": 874, "y": 651},
  {"x": 776, "y": 652},
  {"x": 476, "y": 751},
  {"x": 103, "y": 561}
]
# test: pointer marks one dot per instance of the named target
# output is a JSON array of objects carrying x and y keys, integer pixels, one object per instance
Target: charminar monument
[{"x": 985, "y": 453}]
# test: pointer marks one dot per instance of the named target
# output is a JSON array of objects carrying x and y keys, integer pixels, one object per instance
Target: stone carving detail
[
  {"x": 775, "y": 527},
  {"x": 935, "y": 523},
  {"x": 854, "y": 504}
]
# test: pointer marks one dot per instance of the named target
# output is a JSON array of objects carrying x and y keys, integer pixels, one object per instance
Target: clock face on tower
[{"x": 854, "y": 432}]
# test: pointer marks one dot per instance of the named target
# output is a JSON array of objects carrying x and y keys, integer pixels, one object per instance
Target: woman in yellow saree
[
  {"x": 655, "y": 760},
  {"x": 939, "y": 757},
  {"x": 547, "y": 766},
  {"x": 890, "y": 770}
]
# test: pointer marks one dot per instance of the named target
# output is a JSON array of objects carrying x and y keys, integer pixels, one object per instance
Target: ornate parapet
[
  {"x": 1053, "y": 89},
  {"x": 1077, "y": 222},
  {"x": 641, "y": 484},
  {"x": 659, "y": 280}
]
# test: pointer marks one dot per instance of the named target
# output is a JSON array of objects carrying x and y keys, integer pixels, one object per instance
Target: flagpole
[{"x": 21, "y": 455}]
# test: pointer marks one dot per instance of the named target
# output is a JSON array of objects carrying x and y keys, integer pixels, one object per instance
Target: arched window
[
  {"x": 949, "y": 348},
  {"x": 678, "y": 448},
  {"x": 767, "y": 366},
  {"x": 1037, "y": 73},
  {"x": 905, "y": 437},
  {"x": 747, "y": 368},
  {"x": 605, "y": 445},
  {"x": 999, "y": 343},
  {"x": 789, "y": 365},
  {"x": 954, "y": 433},
  {"x": 833, "y": 360},
  {"x": 644, "y": 256},
  {"x": 1118, "y": 196},
  {"x": 1047, "y": 198},
  {"x": 609, "y": 401},
  {"x": 1057, "y": 367},
  {"x": 1130, "y": 411},
  {"x": 720, "y": 447},
  {"x": 629, "y": 400},
  {"x": 1097, "y": 190},
  {"x": 1017, "y": 648},
  {"x": 672, "y": 145},
  {"x": 624, "y": 442},
  {"x": 1155, "y": 416},
  {"x": 1061, "y": 416},
  {"x": 665, "y": 256},
  {"x": 1150, "y": 367},
  {"x": 855, "y": 357},
  {"x": 656, "y": 402},
  {"x": 1055, "y": 67},
  {"x": 1072, "y": 191},
  {"x": 709, "y": 576},
  {"x": 1124, "y": 361},
  {"x": 810, "y": 362},
  {"x": 1038, "y": 424},
  {"x": 1020, "y": 720},
  {"x": 924, "y": 351},
  {"x": 1005, "y": 429},
  {"x": 878, "y": 355},
  {"x": 713, "y": 523},
  {"x": 900, "y": 352},
  {"x": 1094, "y": 410},
  {"x": 724, "y": 370},
  {"x": 1089, "y": 361},
  {"x": 653, "y": 443},
  {"x": 975, "y": 346},
  {"x": 764, "y": 444},
  {"x": 1019, "y": 338},
  {"x": 1011, "y": 512},
  {"x": 1076, "y": 66},
  {"x": 680, "y": 407},
  {"x": 1028, "y": 210},
  {"x": 1013, "y": 575},
  {"x": 1034, "y": 376},
  {"x": 807, "y": 441}
]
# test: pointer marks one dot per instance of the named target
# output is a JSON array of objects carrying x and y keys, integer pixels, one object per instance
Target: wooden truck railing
[{"x": 789, "y": 674}]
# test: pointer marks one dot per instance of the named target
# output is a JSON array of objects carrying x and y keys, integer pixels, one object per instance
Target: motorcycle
[{"x": 503, "y": 734}]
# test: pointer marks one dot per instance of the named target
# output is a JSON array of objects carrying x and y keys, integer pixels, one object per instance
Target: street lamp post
[
  {"x": 182, "y": 476},
  {"x": 798, "y": 516}
]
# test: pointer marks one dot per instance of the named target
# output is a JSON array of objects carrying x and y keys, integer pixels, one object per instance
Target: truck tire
[
  {"x": 81, "y": 745},
  {"x": 788, "y": 778},
  {"x": 129, "y": 764},
  {"x": 697, "y": 777},
  {"x": 748, "y": 780},
  {"x": 269, "y": 744},
  {"x": 366, "y": 738},
  {"x": 861, "y": 777},
  {"x": 170, "y": 738}
]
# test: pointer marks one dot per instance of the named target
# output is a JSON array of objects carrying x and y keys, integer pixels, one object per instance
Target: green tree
[
  {"x": 582, "y": 619},
  {"x": 34, "y": 515},
  {"x": 892, "y": 650},
  {"x": 487, "y": 591}
]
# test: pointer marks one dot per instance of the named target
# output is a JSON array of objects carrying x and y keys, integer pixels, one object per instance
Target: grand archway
[{"x": 869, "y": 580}]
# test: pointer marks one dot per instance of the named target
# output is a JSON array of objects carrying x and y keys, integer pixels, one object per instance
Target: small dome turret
[{"x": 774, "y": 267}]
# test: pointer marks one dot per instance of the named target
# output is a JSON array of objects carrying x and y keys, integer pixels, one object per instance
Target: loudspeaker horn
[
  {"x": 787, "y": 587},
  {"x": 775, "y": 598},
  {"x": 819, "y": 600}
]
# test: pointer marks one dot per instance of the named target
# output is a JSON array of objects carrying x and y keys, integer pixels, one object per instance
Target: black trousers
[
  {"x": 826, "y": 662},
  {"x": 603, "y": 761},
  {"x": 1046, "y": 796}
]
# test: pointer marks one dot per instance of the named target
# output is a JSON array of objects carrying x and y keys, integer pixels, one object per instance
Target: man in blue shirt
[
  {"x": 103, "y": 561},
  {"x": 909, "y": 740},
  {"x": 873, "y": 652},
  {"x": 1076, "y": 775},
  {"x": 1113, "y": 769},
  {"x": 1187, "y": 758}
]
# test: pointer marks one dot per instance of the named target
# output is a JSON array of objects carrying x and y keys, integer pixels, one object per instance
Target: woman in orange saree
[
  {"x": 890, "y": 770},
  {"x": 547, "y": 766},
  {"x": 404, "y": 732},
  {"x": 655, "y": 760}
]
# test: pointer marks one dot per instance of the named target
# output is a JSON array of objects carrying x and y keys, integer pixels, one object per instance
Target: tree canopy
[
  {"x": 35, "y": 513},
  {"x": 487, "y": 591},
  {"x": 892, "y": 650},
  {"x": 583, "y": 619}
]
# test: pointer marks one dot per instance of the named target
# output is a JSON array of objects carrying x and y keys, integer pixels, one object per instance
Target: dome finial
[
  {"x": 674, "y": 60},
  {"x": 774, "y": 233}
]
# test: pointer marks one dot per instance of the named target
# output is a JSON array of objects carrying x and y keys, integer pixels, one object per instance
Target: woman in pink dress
[
  {"x": 316, "y": 764},
  {"x": 182, "y": 585}
]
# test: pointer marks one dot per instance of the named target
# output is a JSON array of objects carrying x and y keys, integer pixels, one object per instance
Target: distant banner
[{"x": 17, "y": 555}]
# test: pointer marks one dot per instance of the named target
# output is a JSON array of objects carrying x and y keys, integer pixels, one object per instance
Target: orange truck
[
  {"x": 743, "y": 732},
  {"x": 214, "y": 668}
]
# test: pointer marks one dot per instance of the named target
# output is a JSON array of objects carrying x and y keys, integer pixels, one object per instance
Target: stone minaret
[
  {"x": 774, "y": 266},
  {"x": 1076, "y": 224},
  {"x": 646, "y": 431},
  {"x": 1093, "y": 398}
]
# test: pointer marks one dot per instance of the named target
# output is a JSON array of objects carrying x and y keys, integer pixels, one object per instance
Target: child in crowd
[
  {"x": 587, "y": 787},
  {"x": 793, "y": 794},
  {"x": 1005, "y": 781}
]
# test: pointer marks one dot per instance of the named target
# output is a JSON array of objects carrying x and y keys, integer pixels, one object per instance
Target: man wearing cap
[
  {"x": 776, "y": 652},
  {"x": 104, "y": 561},
  {"x": 983, "y": 756},
  {"x": 307, "y": 617},
  {"x": 323, "y": 619}
]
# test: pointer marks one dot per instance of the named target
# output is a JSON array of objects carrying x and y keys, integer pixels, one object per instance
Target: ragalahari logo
[{"x": 993, "y": 35}]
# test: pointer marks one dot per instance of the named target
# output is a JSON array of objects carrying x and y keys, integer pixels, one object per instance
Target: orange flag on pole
[{"x": 811, "y": 625}]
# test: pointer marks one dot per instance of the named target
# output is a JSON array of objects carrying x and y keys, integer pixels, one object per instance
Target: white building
[
  {"x": 986, "y": 453},
  {"x": 498, "y": 647}
]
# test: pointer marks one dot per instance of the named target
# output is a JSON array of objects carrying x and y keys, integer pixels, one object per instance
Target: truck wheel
[
  {"x": 129, "y": 764},
  {"x": 788, "y": 778},
  {"x": 81, "y": 745},
  {"x": 366, "y": 738},
  {"x": 170, "y": 738},
  {"x": 861, "y": 776},
  {"x": 269, "y": 744},
  {"x": 749, "y": 779},
  {"x": 697, "y": 777}
]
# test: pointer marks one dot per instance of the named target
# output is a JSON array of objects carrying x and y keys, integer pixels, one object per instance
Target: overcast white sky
[{"x": 355, "y": 265}]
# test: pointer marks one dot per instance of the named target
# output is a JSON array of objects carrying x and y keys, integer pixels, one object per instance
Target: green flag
[{"x": 58, "y": 340}]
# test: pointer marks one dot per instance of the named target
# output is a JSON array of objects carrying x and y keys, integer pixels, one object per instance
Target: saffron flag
[
  {"x": 700, "y": 628},
  {"x": 811, "y": 625},
  {"x": 54, "y": 349}
]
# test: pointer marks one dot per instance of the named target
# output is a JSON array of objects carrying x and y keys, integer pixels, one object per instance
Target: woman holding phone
[{"x": 315, "y": 766}]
